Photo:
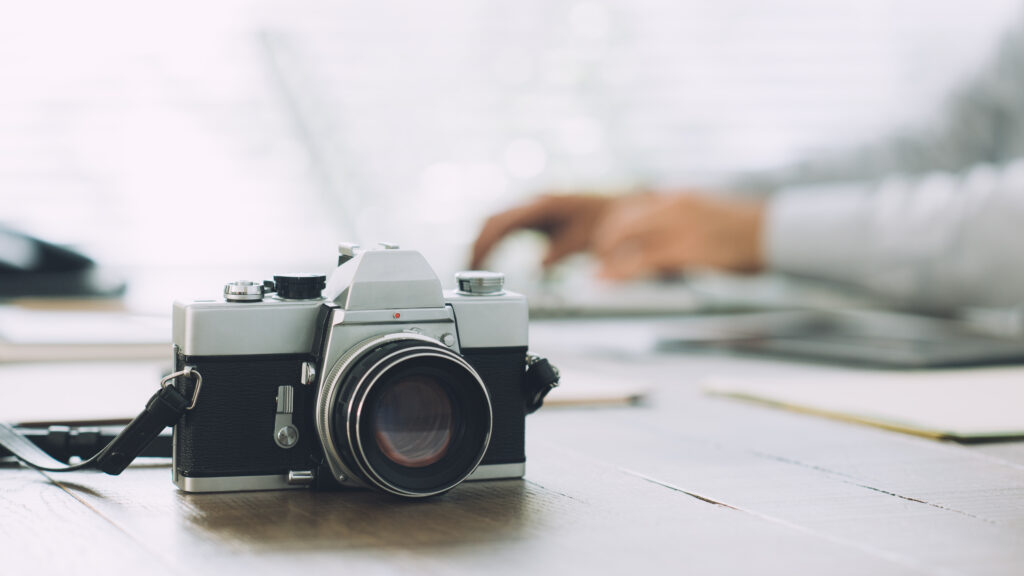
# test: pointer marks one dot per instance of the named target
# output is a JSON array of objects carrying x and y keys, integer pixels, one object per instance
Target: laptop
[{"x": 865, "y": 337}]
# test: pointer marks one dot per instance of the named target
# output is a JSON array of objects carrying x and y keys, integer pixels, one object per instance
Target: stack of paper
[{"x": 965, "y": 404}]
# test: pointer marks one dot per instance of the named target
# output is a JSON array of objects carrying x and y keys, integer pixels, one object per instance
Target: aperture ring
[
  {"x": 365, "y": 385},
  {"x": 359, "y": 470}
]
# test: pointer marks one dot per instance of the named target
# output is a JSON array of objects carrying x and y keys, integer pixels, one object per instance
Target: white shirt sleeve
[{"x": 941, "y": 240}]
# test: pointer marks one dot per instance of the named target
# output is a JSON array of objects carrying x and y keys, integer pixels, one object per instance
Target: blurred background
[{"x": 247, "y": 138}]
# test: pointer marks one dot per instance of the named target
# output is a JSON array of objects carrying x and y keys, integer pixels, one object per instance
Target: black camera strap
[
  {"x": 541, "y": 377},
  {"x": 163, "y": 409}
]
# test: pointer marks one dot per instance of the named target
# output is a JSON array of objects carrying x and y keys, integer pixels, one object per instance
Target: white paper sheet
[{"x": 961, "y": 404}]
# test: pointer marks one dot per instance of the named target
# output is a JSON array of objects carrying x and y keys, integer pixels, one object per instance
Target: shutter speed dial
[{"x": 299, "y": 286}]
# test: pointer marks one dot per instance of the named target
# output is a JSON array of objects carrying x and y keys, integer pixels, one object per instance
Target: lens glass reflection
[{"x": 413, "y": 421}]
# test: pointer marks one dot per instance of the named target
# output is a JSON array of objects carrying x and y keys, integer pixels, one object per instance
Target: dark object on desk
[
  {"x": 856, "y": 337},
  {"x": 33, "y": 267},
  {"x": 164, "y": 408},
  {"x": 64, "y": 443}
]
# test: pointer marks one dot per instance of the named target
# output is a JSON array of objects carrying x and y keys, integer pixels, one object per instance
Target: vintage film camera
[{"x": 375, "y": 379}]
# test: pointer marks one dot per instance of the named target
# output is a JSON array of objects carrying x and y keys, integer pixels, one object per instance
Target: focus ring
[
  {"x": 363, "y": 388},
  {"x": 350, "y": 382}
]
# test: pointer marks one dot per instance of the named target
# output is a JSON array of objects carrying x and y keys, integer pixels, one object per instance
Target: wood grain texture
[
  {"x": 680, "y": 483},
  {"x": 45, "y": 529}
]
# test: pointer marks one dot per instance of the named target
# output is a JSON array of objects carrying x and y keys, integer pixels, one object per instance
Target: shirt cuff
[{"x": 820, "y": 231}]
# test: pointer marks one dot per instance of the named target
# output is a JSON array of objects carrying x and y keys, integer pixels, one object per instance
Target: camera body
[{"x": 375, "y": 379}]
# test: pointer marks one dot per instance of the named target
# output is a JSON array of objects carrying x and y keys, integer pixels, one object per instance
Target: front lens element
[
  {"x": 413, "y": 421},
  {"x": 409, "y": 416}
]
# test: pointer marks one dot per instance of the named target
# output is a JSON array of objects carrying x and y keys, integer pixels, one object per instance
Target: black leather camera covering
[
  {"x": 503, "y": 370},
  {"x": 231, "y": 430}
]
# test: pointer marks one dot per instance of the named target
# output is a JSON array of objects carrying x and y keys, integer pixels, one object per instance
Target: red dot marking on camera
[{"x": 397, "y": 315}]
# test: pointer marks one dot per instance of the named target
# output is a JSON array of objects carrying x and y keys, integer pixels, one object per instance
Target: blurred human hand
[
  {"x": 567, "y": 220},
  {"x": 638, "y": 235},
  {"x": 667, "y": 234}
]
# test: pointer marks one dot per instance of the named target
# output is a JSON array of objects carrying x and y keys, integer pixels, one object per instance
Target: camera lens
[
  {"x": 406, "y": 415},
  {"x": 413, "y": 421}
]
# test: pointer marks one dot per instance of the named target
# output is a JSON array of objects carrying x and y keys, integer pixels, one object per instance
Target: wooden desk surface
[{"x": 683, "y": 483}]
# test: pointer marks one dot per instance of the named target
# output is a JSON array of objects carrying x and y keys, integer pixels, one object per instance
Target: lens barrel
[{"x": 405, "y": 415}]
